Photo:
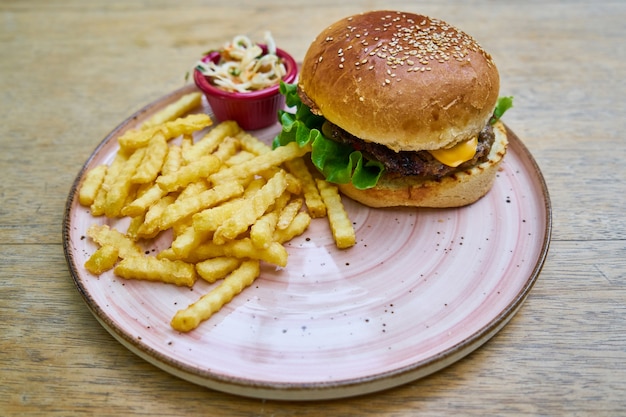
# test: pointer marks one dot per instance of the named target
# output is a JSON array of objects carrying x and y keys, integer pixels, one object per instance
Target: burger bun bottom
[{"x": 456, "y": 190}]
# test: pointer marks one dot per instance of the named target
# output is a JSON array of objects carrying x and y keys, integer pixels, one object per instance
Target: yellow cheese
[{"x": 457, "y": 154}]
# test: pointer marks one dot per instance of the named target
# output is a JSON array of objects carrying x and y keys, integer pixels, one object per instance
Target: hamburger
[{"x": 401, "y": 110}]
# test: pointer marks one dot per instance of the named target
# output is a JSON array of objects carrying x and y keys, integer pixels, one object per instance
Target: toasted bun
[
  {"x": 459, "y": 189},
  {"x": 402, "y": 80}
]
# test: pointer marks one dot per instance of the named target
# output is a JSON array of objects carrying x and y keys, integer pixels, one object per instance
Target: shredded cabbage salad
[{"x": 243, "y": 67}]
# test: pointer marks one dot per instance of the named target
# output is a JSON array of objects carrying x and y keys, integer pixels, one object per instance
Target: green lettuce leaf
[
  {"x": 339, "y": 163},
  {"x": 502, "y": 105}
]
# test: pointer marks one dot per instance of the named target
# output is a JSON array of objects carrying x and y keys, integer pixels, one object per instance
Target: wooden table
[{"x": 71, "y": 71}]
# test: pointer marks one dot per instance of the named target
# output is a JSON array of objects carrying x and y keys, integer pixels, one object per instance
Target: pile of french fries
[{"x": 230, "y": 201}]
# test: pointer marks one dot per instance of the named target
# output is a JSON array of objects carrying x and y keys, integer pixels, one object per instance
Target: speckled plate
[{"x": 420, "y": 290}]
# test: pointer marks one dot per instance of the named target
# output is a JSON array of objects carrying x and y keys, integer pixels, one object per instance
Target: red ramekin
[{"x": 251, "y": 110}]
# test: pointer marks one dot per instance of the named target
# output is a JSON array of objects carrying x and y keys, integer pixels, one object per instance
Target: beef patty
[{"x": 409, "y": 163}]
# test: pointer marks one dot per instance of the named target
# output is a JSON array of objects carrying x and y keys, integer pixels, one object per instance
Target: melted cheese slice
[{"x": 457, "y": 154}]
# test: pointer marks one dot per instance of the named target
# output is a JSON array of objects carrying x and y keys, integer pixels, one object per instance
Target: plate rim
[{"x": 305, "y": 390}]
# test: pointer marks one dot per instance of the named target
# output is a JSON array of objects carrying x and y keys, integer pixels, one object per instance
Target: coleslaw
[{"x": 244, "y": 66}]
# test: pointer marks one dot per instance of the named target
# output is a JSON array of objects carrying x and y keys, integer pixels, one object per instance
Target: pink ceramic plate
[{"x": 420, "y": 290}]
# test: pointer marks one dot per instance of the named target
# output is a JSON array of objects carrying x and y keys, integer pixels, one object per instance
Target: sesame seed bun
[
  {"x": 456, "y": 190},
  {"x": 402, "y": 80}
]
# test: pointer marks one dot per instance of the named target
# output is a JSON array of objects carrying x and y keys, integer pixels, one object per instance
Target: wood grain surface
[{"x": 72, "y": 70}]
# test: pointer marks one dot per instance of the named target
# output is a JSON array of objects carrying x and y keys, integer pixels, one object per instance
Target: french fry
[
  {"x": 194, "y": 171},
  {"x": 172, "y": 256},
  {"x": 150, "y": 227},
  {"x": 249, "y": 213},
  {"x": 192, "y": 189},
  {"x": 254, "y": 186},
  {"x": 136, "y": 191},
  {"x": 312, "y": 197},
  {"x": 214, "y": 269},
  {"x": 275, "y": 253},
  {"x": 293, "y": 183},
  {"x": 185, "y": 145},
  {"x": 188, "y": 240},
  {"x": 91, "y": 185},
  {"x": 153, "y": 160},
  {"x": 97, "y": 208},
  {"x": 294, "y": 186},
  {"x": 262, "y": 231},
  {"x": 134, "y": 226},
  {"x": 102, "y": 259},
  {"x": 239, "y": 158},
  {"x": 288, "y": 213},
  {"x": 119, "y": 191},
  {"x": 281, "y": 202},
  {"x": 210, "y": 219},
  {"x": 252, "y": 144},
  {"x": 180, "y": 226},
  {"x": 210, "y": 141},
  {"x": 185, "y": 207},
  {"x": 228, "y": 148},
  {"x": 142, "y": 203},
  {"x": 173, "y": 160},
  {"x": 175, "y": 110},
  {"x": 104, "y": 235},
  {"x": 189, "y": 318},
  {"x": 261, "y": 163},
  {"x": 340, "y": 225},
  {"x": 298, "y": 225},
  {"x": 149, "y": 268},
  {"x": 138, "y": 138}
]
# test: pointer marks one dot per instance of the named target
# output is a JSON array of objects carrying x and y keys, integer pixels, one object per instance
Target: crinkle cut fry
[
  {"x": 138, "y": 138},
  {"x": 188, "y": 319}
]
